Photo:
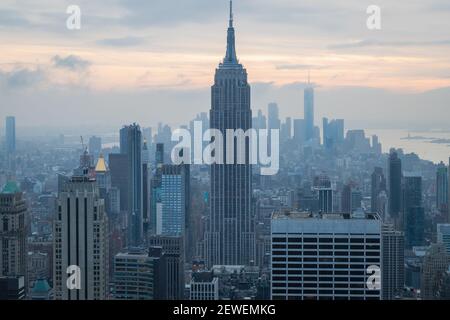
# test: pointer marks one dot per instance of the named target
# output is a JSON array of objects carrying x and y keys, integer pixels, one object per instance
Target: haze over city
[{"x": 229, "y": 153}]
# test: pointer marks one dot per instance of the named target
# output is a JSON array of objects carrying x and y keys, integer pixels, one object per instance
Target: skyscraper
[
  {"x": 118, "y": 165},
  {"x": 435, "y": 264},
  {"x": 131, "y": 145},
  {"x": 273, "y": 116},
  {"x": 413, "y": 214},
  {"x": 393, "y": 260},
  {"x": 309, "y": 111},
  {"x": 299, "y": 131},
  {"x": 378, "y": 185},
  {"x": 395, "y": 186},
  {"x": 145, "y": 188},
  {"x": 13, "y": 210},
  {"x": 175, "y": 199},
  {"x": 136, "y": 275},
  {"x": 442, "y": 188},
  {"x": 333, "y": 132},
  {"x": 10, "y": 135},
  {"x": 95, "y": 146},
  {"x": 173, "y": 267},
  {"x": 230, "y": 236},
  {"x": 81, "y": 239}
]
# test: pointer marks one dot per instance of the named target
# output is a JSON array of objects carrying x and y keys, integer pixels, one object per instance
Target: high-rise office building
[
  {"x": 118, "y": 166},
  {"x": 325, "y": 256},
  {"x": 259, "y": 122},
  {"x": 103, "y": 177},
  {"x": 443, "y": 236},
  {"x": 414, "y": 214},
  {"x": 442, "y": 188},
  {"x": 131, "y": 145},
  {"x": 333, "y": 132},
  {"x": 299, "y": 131},
  {"x": 175, "y": 199},
  {"x": 324, "y": 190},
  {"x": 80, "y": 234},
  {"x": 395, "y": 187},
  {"x": 393, "y": 263},
  {"x": 435, "y": 264},
  {"x": 309, "y": 112},
  {"x": 286, "y": 130},
  {"x": 448, "y": 197},
  {"x": 230, "y": 237},
  {"x": 173, "y": 267},
  {"x": 376, "y": 145},
  {"x": 325, "y": 195},
  {"x": 136, "y": 275},
  {"x": 10, "y": 135},
  {"x": 145, "y": 189},
  {"x": 13, "y": 211},
  {"x": 155, "y": 192},
  {"x": 378, "y": 184},
  {"x": 273, "y": 118},
  {"x": 95, "y": 146}
]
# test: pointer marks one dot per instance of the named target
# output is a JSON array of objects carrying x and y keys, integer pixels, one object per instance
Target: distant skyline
[{"x": 153, "y": 61}]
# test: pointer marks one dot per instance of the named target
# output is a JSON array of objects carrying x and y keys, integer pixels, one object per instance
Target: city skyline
[{"x": 240, "y": 198}]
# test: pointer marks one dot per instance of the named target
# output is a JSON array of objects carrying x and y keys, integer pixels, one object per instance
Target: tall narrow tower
[
  {"x": 309, "y": 111},
  {"x": 230, "y": 235}
]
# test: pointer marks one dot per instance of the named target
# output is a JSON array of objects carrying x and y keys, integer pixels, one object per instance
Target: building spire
[
  {"x": 231, "y": 13},
  {"x": 231, "y": 57}
]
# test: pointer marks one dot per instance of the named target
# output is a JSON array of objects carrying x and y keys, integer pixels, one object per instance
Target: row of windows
[
  {"x": 326, "y": 240},
  {"x": 326, "y": 253},
  {"x": 327, "y": 246}
]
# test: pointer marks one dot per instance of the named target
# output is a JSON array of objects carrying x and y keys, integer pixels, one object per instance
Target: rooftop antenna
[
  {"x": 82, "y": 143},
  {"x": 309, "y": 76},
  {"x": 231, "y": 13}
]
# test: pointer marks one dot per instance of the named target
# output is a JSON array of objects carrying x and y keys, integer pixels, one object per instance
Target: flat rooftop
[{"x": 298, "y": 215}]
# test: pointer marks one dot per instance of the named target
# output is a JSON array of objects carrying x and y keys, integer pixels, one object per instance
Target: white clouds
[
  {"x": 21, "y": 78},
  {"x": 161, "y": 54},
  {"x": 71, "y": 62}
]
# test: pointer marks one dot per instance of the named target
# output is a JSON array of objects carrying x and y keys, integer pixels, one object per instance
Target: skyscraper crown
[{"x": 230, "y": 57}]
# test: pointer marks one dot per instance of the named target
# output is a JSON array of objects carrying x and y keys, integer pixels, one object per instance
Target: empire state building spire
[{"x": 231, "y": 57}]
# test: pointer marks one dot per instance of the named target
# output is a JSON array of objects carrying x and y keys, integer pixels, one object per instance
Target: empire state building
[{"x": 230, "y": 237}]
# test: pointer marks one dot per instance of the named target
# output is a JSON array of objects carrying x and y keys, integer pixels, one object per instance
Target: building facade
[
  {"x": 81, "y": 240},
  {"x": 13, "y": 210},
  {"x": 325, "y": 256}
]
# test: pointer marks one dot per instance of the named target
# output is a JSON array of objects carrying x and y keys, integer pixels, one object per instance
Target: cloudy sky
[{"x": 153, "y": 60}]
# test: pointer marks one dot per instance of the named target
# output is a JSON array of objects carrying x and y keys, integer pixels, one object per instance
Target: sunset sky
[{"x": 155, "y": 59}]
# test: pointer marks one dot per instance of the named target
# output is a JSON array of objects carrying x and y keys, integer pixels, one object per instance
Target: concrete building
[
  {"x": 13, "y": 210},
  {"x": 443, "y": 236},
  {"x": 325, "y": 256},
  {"x": 136, "y": 275},
  {"x": 204, "y": 286},
  {"x": 81, "y": 239},
  {"x": 393, "y": 263}
]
